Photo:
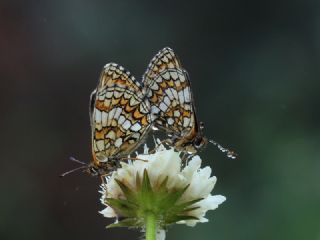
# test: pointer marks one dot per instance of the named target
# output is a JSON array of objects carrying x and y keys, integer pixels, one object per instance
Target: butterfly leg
[
  {"x": 103, "y": 180},
  {"x": 134, "y": 159},
  {"x": 186, "y": 156},
  {"x": 167, "y": 142}
]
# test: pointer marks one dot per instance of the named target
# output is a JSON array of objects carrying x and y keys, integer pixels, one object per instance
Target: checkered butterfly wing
[
  {"x": 168, "y": 89},
  {"x": 119, "y": 115}
]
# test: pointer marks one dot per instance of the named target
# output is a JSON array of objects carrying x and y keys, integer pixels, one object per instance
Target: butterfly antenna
[
  {"x": 77, "y": 161},
  {"x": 230, "y": 153},
  {"x": 71, "y": 171}
]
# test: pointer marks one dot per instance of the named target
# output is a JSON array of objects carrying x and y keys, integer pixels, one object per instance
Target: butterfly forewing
[{"x": 119, "y": 114}]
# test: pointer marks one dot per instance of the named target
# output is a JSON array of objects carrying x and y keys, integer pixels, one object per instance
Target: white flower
[
  {"x": 164, "y": 166},
  {"x": 161, "y": 235}
]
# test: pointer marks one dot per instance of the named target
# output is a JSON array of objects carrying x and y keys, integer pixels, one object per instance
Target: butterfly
[
  {"x": 168, "y": 89},
  {"x": 119, "y": 116}
]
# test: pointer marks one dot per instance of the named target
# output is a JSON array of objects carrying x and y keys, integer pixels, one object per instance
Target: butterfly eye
[
  {"x": 92, "y": 171},
  {"x": 198, "y": 142}
]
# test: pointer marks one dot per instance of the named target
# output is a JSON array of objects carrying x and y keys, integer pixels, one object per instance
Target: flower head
[{"x": 160, "y": 185}]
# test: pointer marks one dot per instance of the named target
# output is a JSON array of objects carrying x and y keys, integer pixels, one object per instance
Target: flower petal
[{"x": 108, "y": 212}]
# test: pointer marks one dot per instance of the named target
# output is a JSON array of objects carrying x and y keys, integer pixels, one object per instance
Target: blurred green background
[{"x": 254, "y": 67}]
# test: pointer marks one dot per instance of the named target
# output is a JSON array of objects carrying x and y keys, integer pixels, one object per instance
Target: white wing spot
[
  {"x": 136, "y": 127},
  {"x": 115, "y": 75},
  {"x": 127, "y": 95},
  {"x": 136, "y": 135},
  {"x": 110, "y": 116},
  {"x": 169, "y": 93},
  {"x": 186, "y": 93},
  {"x": 166, "y": 75},
  {"x": 170, "y": 121},
  {"x": 117, "y": 113},
  {"x": 176, "y": 113},
  {"x": 182, "y": 77},
  {"x": 174, "y": 75},
  {"x": 166, "y": 101},
  {"x": 159, "y": 79},
  {"x": 170, "y": 65},
  {"x": 109, "y": 94},
  {"x": 121, "y": 119},
  {"x": 186, "y": 122},
  {"x": 107, "y": 102},
  {"x": 101, "y": 97},
  {"x": 117, "y": 94},
  {"x": 181, "y": 97},
  {"x": 163, "y": 107},
  {"x": 154, "y": 86},
  {"x": 98, "y": 116},
  {"x": 111, "y": 135},
  {"x": 133, "y": 101},
  {"x": 100, "y": 145},
  {"x": 104, "y": 118},
  {"x": 155, "y": 109},
  {"x": 175, "y": 93},
  {"x": 126, "y": 125},
  {"x": 118, "y": 142}
]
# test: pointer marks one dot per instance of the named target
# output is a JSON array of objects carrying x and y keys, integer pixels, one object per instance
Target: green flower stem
[{"x": 151, "y": 225}]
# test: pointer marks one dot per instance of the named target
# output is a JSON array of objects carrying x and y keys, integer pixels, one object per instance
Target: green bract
[{"x": 145, "y": 199}]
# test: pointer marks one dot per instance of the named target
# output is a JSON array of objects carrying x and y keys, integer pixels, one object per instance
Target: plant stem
[{"x": 151, "y": 226}]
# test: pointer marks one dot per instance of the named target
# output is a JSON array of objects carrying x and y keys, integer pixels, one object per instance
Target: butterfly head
[
  {"x": 102, "y": 165},
  {"x": 193, "y": 143},
  {"x": 93, "y": 170},
  {"x": 199, "y": 141},
  {"x": 193, "y": 146}
]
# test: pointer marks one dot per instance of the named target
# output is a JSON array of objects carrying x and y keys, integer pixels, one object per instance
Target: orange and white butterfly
[
  {"x": 168, "y": 88},
  {"x": 120, "y": 118}
]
